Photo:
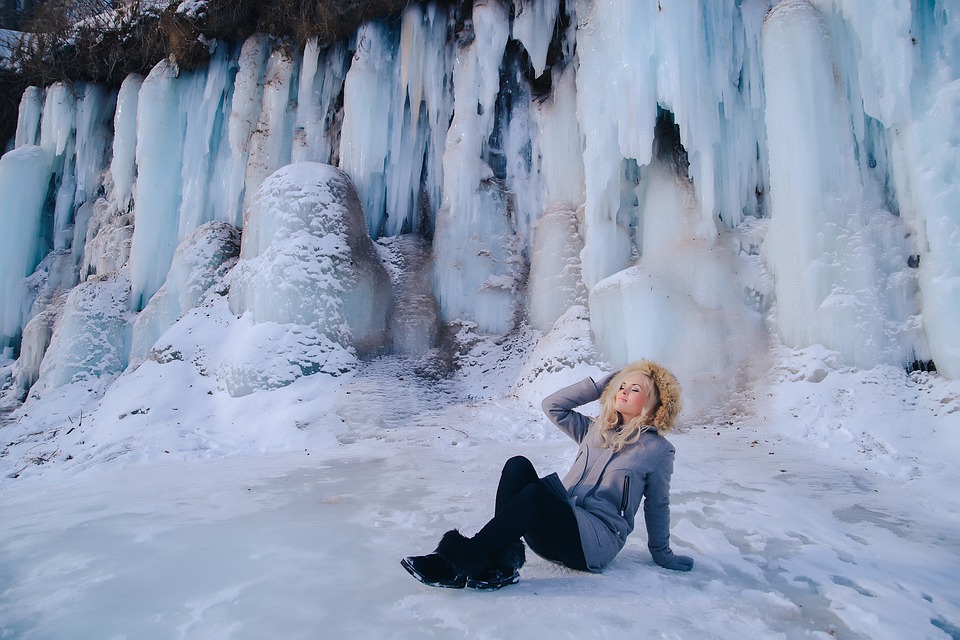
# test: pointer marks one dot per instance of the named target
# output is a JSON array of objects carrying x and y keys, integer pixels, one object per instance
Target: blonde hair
[{"x": 616, "y": 435}]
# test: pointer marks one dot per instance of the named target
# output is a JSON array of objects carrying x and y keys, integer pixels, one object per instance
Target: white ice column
[
  {"x": 26, "y": 172},
  {"x": 123, "y": 166},
  {"x": 28, "y": 120},
  {"x": 834, "y": 253},
  {"x": 159, "y": 154},
  {"x": 475, "y": 253},
  {"x": 271, "y": 141}
]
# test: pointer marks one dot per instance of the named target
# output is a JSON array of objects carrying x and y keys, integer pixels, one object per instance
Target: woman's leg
[
  {"x": 554, "y": 534},
  {"x": 546, "y": 521},
  {"x": 517, "y": 473}
]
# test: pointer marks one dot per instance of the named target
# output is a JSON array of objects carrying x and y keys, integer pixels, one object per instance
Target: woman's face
[{"x": 632, "y": 396}]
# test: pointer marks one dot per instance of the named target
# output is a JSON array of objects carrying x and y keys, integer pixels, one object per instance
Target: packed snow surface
[{"x": 818, "y": 504}]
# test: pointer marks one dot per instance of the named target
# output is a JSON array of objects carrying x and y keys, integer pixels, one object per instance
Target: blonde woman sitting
[{"x": 583, "y": 521}]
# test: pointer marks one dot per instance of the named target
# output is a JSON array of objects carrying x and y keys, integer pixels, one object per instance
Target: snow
[
  {"x": 200, "y": 262},
  {"x": 817, "y": 504},
  {"x": 91, "y": 339}
]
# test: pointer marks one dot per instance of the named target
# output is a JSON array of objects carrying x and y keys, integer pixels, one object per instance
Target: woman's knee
[{"x": 518, "y": 465}]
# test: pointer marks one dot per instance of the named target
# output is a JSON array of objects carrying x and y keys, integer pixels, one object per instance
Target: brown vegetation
[{"x": 90, "y": 40}]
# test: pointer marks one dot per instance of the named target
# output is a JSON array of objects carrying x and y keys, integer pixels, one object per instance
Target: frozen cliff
[{"x": 688, "y": 181}]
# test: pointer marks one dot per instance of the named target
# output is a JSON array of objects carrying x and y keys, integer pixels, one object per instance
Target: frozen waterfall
[{"x": 690, "y": 180}]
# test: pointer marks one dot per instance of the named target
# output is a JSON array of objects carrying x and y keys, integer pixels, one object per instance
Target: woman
[{"x": 583, "y": 522}]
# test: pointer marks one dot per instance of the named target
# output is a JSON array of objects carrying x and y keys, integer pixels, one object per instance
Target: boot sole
[{"x": 481, "y": 585}]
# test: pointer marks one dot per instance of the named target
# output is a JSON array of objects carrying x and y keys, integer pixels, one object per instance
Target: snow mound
[
  {"x": 200, "y": 261},
  {"x": 91, "y": 339},
  {"x": 308, "y": 277}
]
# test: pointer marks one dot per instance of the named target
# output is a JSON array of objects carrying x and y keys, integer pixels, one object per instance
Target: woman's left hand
[{"x": 679, "y": 563}]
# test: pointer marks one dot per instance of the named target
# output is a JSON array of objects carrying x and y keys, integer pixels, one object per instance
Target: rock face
[{"x": 308, "y": 278}]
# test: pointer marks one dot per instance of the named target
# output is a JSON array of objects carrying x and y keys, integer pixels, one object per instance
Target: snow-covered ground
[{"x": 820, "y": 503}]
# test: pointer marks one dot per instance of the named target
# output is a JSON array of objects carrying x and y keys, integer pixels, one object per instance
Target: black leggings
[{"x": 526, "y": 507}]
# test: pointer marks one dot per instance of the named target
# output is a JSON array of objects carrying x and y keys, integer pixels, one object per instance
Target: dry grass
[{"x": 91, "y": 41}]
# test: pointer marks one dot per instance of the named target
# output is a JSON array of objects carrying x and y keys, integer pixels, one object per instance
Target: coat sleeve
[
  {"x": 656, "y": 508},
  {"x": 559, "y": 406}
]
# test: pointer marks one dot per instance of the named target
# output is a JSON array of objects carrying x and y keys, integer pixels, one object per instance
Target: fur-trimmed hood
[{"x": 668, "y": 389}]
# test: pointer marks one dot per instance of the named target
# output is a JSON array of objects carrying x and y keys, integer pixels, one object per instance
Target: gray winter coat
[{"x": 605, "y": 488}]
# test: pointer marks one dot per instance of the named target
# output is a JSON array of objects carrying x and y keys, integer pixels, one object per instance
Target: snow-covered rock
[{"x": 307, "y": 264}]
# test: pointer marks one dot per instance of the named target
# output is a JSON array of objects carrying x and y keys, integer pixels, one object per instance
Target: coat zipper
[{"x": 625, "y": 501}]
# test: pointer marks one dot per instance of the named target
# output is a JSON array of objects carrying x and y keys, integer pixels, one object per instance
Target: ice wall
[
  {"x": 476, "y": 261},
  {"x": 700, "y": 61},
  {"x": 185, "y": 161},
  {"x": 908, "y": 86},
  {"x": 391, "y": 139},
  {"x": 838, "y": 258},
  {"x": 565, "y": 164}
]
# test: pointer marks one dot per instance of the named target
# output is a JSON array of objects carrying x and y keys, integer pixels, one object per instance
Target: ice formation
[
  {"x": 200, "y": 262},
  {"x": 836, "y": 255},
  {"x": 92, "y": 336},
  {"x": 307, "y": 266},
  {"x": 476, "y": 261},
  {"x": 689, "y": 179},
  {"x": 25, "y": 171}
]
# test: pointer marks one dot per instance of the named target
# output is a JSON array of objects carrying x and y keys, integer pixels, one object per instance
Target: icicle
[
  {"x": 370, "y": 93},
  {"x": 322, "y": 75},
  {"x": 24, "y": 171},
  {"x": 28, "y": 121},
  {"x": 475, "y": 250},
  {"x": 160, "y": 133},
  {"x": 270, "y": 143},
  {"x": 533, "y": 26},
  {"x": 204, "y": 103}
]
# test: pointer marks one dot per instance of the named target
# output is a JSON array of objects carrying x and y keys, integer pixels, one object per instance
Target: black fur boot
[
  {"x": 463, "y": 554},
  {"x": 482, "y": 570},
  {"x": 504, "y": 571},
  {"x": 433, "y": 571}
]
